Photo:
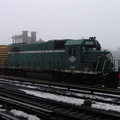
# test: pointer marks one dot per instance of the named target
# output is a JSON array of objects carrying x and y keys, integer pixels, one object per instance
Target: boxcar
[{"x": 3, "y": 55}]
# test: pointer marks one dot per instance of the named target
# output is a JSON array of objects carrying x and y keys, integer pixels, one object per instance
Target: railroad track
[
  {"x": 5, "y": 116},
  {"x": 10, "y": 102},
  {"x": 60, "y": 109},
  {"x": 98, "y": 95},
  {"x": 94, "y": 96},
  {"x": 60, "y": 84}
]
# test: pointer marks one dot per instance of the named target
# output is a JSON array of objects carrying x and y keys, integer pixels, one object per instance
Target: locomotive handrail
[
  {"x": 116, "y": 64},
  {"x": 97, "y": 63},
  {"x": 104, "y": 67}
]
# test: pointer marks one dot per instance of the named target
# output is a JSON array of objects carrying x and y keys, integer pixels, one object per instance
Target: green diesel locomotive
[{"x": 77, "y": 61}]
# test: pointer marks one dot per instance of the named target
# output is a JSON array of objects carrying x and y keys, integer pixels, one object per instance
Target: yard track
[
  {"x": 60, "y": 109},
  {"x": 54, "y": 109},
  {"x": 5, "y": 116}
]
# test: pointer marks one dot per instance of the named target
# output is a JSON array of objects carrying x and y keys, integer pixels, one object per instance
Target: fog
[{"x": 62, "y": 19}]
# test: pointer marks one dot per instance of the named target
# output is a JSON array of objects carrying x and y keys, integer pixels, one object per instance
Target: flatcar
[{"x": 77, "y": 61}]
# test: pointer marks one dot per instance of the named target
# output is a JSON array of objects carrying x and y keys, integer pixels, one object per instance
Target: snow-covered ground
[
  {"x": 76, "y": 101},
  {"x": 20, "y": 114},
  {"x": 96, "y": 96},
  {"x": 23, "y": 114},
  {"x": 1, "y": 108}
]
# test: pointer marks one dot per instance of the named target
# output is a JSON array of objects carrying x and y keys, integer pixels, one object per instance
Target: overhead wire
[{"x": 5, "y": 40}]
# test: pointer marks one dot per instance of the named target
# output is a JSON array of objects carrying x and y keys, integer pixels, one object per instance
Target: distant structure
[
  {"x": 40, "y": 41},
  {"x": 118, "y": 49},
  {"x": 24, "y": 38}
]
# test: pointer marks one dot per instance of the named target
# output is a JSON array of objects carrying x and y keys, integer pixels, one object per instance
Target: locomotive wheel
[
  {"x": 5, "y": 71},
  {"x": 111, "y": 80},
  {"x": 87, "y": 79},
  {"x": 56, "y": 76},
  {"x": 70, "y": 78}
]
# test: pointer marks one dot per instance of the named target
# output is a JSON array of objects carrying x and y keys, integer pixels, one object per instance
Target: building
[{"x": 24, "y": 38}]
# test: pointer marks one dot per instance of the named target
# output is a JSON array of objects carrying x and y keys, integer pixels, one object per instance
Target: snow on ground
[
  {"x": 1, "y": 108},
  {"x": 20, "y": 114},
  {"x": 78, "y": 94},
  {"x": 94, "y": 96},
  {"x": 75, "y": 101},
  {"x": 54, "y": 97},
  {"x": 25, "y": 115},
  {"x": 106, "y": 106},
  {"x": 28, "y": 86},
  {"x": 82, "y": 95},
  {"x": 98, "y": 93}
]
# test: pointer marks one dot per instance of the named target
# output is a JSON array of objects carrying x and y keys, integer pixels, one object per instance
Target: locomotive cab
[{"x": 82, "y": 54}]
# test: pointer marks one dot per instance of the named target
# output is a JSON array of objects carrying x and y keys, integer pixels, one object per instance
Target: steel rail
[
  {"x": 66, "y": 85},
  {"x": 67, "y": 110},
  {"x": 72, "y": 93},
  {"x": 5, "y": 116}
]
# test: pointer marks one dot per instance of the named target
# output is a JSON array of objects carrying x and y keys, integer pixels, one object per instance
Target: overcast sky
[{"x": 62, "y": 19}]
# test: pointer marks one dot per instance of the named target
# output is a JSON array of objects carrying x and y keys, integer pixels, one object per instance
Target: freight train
[{"x": 76, "y": 61}]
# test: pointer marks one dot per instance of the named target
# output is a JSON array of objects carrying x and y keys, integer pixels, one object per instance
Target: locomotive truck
[{"x": 76, "y": 61}]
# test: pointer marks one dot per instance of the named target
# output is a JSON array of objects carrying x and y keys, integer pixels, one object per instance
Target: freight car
[
  {"x": 80, "y": 61},
  {"x": 3, "y": 55}
]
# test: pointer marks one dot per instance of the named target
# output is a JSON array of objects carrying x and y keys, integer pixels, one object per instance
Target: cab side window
[{"x": 72, "y": 50}]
